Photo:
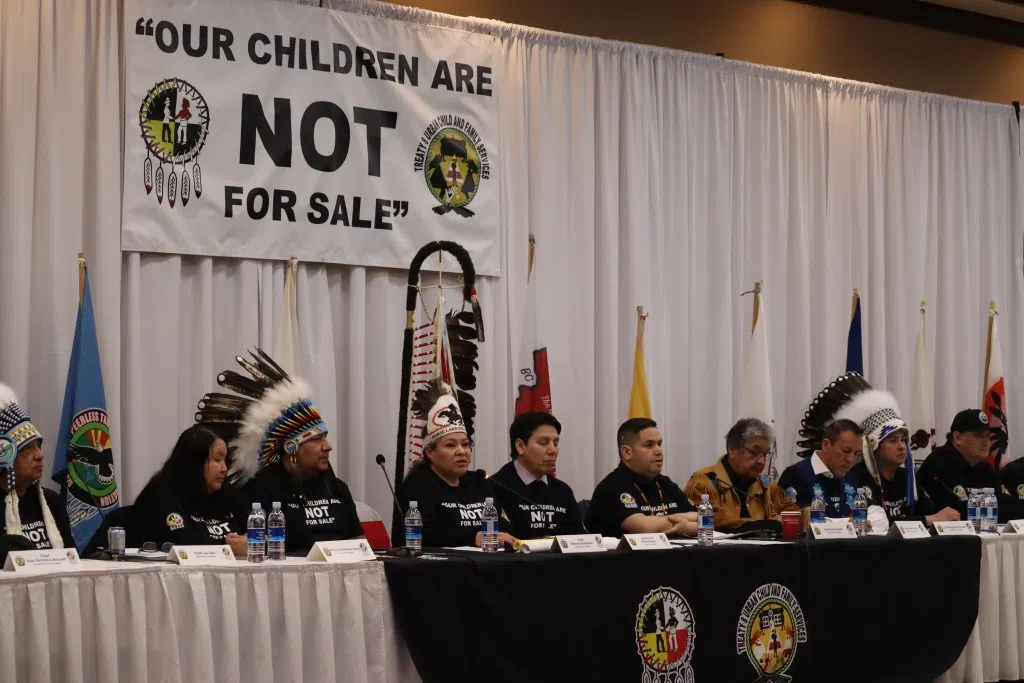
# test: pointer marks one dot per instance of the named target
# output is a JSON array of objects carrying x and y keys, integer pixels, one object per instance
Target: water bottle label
[
  {"x": 413, "y": 533},
  {"x": 490, "y": 526},
  {"x": 256, "y": 535},
  {"x": 818, "y": 516},
  {"x": 706, "y": 521},
  {"x": 860, "y": 515},
  {"x": 275, "y": 533}
]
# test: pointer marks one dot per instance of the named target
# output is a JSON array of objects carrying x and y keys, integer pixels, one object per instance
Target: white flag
[
  {"x": 994, "y": 401},
  {"x": 286, "y": 337},
  {"x": 922, "y": 409},
  {"x": 756, "y": 388}
]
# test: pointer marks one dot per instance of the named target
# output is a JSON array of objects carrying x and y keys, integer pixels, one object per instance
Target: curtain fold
[{"x": 649, "y": 177}]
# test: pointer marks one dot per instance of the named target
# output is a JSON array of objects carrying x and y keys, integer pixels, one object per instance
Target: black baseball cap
[{"x": 972, "y": 421}]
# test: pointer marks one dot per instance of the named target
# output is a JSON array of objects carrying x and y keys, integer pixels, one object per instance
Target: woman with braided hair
[{"x": 34, "y": 518}]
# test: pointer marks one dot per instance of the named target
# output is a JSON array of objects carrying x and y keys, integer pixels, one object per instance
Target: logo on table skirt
[
  {"x": 770, "y": 627},
  {"x": 664, "y": 632},
  {"x": 628, "y": 500},
  {"x": 174, "y": 521},
  {"x": 960, "y": 492}
]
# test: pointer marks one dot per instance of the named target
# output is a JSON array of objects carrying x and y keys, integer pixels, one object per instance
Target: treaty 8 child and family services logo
[
  {"x": 453, "y": 159},
  {"x": 770, "y": 627},
  {"x": 175, "y": 121},
  {"x": 665, "y": 636}
]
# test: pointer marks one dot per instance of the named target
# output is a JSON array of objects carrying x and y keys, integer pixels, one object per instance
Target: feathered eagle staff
[{"x": 443, "y": 348}]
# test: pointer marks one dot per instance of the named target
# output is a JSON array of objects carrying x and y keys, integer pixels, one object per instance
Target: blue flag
[
  {"x": 83, "y": 462},
  {"x": 854, "y": 350}
]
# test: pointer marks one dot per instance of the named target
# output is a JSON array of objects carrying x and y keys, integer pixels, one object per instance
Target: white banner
[{"x": 273, "y": 130}]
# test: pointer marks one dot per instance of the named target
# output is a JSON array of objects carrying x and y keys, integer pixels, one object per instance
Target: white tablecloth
[
  {"x": 279, "y": 621},
  {"x": 995, "y": 651}
]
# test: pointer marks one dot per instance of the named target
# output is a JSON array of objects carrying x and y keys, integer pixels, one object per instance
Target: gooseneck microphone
[
  {"x": 718, "y": 483},
  {"x": 380, "y": 459},
  {"x": 948, "y": 490},
  {"x": 483, "y": 473}
]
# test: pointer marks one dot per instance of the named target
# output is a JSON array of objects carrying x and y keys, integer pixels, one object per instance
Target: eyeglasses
[
  {"x": 757, "y": 455},
  {"x": 150, "y": 547}
]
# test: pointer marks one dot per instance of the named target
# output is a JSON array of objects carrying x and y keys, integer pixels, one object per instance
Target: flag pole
[
  {"x": 81, "y": 277},
  {"x": 853, "y": 304},
  {"x": 530, "y": 252},
  {"x": 757, "y": 306},
  {"x": 641, "y": 320},
  {"x": 988, "y": 350}
]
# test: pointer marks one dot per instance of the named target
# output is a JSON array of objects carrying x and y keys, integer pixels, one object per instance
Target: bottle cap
[
  {"x": 488, "y": 501},
  {"x": 413, "y": 505},
  {"x": 257, "y": 506},
  {"x": 704, "y": 497},
  {"x": 277, "y": 505}
]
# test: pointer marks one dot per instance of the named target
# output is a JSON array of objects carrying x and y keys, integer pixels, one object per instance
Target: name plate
[
  {"x": 1014, "y": 526},
  {"x": 961, "y": 528},
  {"x": 832, "y": 529},
  {"x": 195, "y": 555},
  {"x": 341, "y": 552},
  {"x": 579, "y": 543},
  {"x": 42, "y": 560},
  {"x": 645, "y": 542},
  {"x": 909, "y": 530}
]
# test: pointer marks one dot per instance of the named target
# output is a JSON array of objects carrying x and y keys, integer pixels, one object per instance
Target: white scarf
[{"x": 13, "y": 518}]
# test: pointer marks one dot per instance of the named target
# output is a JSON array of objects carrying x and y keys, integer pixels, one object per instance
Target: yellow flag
[{"x": 639, "y": 400}]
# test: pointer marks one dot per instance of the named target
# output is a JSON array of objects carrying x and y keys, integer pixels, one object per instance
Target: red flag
[
  {"x": 532, "y": 382},
  {"x": 994, "y": 402}
]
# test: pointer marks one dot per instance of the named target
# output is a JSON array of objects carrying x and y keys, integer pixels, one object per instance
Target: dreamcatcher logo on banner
[{"x": 272, "y": 130}]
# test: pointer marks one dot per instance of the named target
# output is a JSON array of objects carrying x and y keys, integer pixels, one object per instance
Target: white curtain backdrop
[{"x": 648, "y": 176}]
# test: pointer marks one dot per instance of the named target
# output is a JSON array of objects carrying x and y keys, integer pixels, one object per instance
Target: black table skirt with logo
[{"x": 865, "y": 611}]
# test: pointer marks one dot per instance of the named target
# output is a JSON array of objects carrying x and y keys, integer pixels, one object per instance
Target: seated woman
[
  {"x": 281, "y": 449},
  {"x": 188, "y": 502},
  {"x": 450, "y": 498},
  {"x": 885, "y": 454},
  {"x": 34, "y": 518}
]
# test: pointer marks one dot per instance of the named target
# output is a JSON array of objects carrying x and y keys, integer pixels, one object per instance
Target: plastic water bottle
[
  {"x": 275, "y": 533},
  {"x": 984, "y": 524},
  {"x": 818, "y": 506},
  {"x": 705, "y": 521},
  {"x": 489, "y": 527},
  {"x": 992, "y": 510},
  {"x": 257, "y": 533},
  {"x": 414, "y": 529},
  {"x": 860, "y": 513},
  {"x": 973, "y": 505}
]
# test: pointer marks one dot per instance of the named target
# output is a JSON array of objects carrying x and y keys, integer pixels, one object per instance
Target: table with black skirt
[{"x": 865, "y": 610}]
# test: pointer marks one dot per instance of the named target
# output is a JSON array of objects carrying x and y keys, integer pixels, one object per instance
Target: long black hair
[{"x": 182, "y": 472}]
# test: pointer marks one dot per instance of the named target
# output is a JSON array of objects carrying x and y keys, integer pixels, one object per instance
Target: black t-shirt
[
  {"x": 166, "y": 515},
  {"x": 452, "y": 515},
  {"x": 31, "y": 513},
  {"x": 319, "y": 508},
  {"x": 540, "y": 509},
  {"x": 892, "y": 495},
  {"x": 624, "y": 493},
  {"x": 1012, "y": 477},
  {"x": 957, "y": 478}
]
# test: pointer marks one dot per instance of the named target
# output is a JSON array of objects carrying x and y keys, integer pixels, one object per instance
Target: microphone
[
  {"x": 380, "y": 460},
  {"x": 719, "y": 483},
  {"x": 948, "y": 490},
  {"x": 483, "y": 473}
]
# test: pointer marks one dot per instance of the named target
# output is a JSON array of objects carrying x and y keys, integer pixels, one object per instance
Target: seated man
[
  {"x": 636, "y": 497},
  {"x": 827, "y": 468},
  {"x": 958, "y": 466},
  {"x": 733, "y": 483},
  {"x": 535, "y": 502}
]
